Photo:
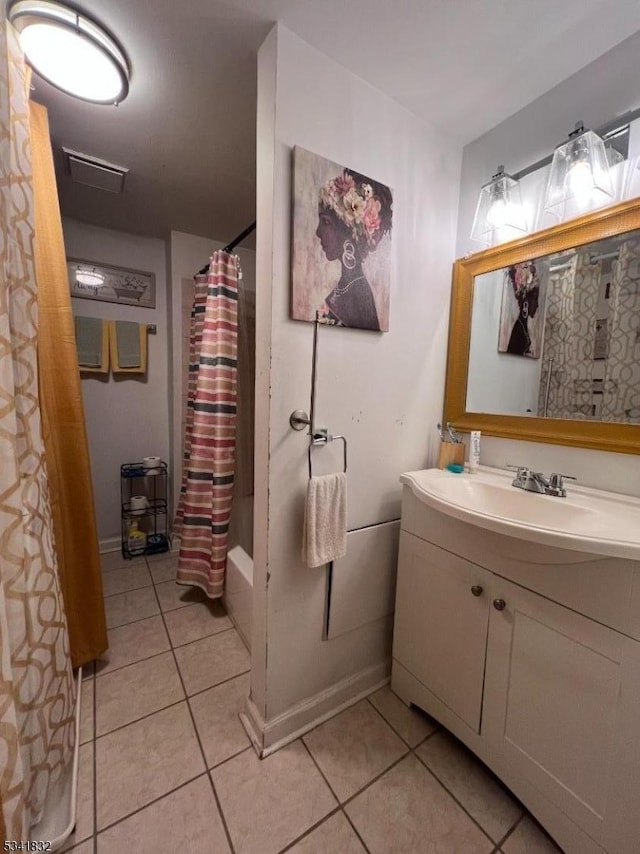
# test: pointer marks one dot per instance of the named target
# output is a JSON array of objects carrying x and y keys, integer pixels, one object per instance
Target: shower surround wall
[
  {"x": 383, "y": 391},
  {"x": 598, "y": 93}
]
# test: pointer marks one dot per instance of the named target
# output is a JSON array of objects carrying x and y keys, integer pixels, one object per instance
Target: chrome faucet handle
[
  {"x": 556, "y": 484},
  {"x": 521, "y": 471},
  {"x": 517, "y": 468}
]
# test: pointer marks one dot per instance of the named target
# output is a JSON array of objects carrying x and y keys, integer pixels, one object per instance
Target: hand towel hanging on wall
[
  {"x": 324, "y": 536},
  {"x": 128, "y": 347},
  {"x": 92, "y": 342}
]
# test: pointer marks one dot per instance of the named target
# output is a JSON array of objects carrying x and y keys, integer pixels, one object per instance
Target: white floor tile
[
  {"x": 354, "y": 747},
  {"x": 268, "y": 803},
  {"x": 212, "y": 660},
  {"x": 143, "y": 761},
  {"x": 133, "y": 642},
  {"x": 216, "y": 715},
  {"x": 407, "y": 811},
  {"x": 132, "y": 692},
  {"x": 186, "y": 821}
]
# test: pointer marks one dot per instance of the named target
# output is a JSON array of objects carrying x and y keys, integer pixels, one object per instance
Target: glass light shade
[
  {"x": 70, "y": 51},
  {"x": 580, "y": 174},
  {"x": 499, "y": 207}
]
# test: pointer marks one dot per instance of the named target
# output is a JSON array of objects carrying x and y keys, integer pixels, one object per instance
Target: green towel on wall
[
  {"x": 89, "y": 332},
  {"x": 128, "y": 343}
]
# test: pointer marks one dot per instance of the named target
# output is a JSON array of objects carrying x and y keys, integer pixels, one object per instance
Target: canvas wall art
[
  {"x": 522, "y": 311},
  {"x": 341, "y": 260}
]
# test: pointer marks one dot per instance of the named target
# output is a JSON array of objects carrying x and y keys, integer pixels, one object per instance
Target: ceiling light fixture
[
  {"x": 499, "y": 207},
  {"x": 579, "y": 172},
  {"x": 70, "y": 51}
]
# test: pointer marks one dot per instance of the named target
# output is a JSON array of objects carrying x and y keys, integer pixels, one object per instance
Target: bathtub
[{"x": 238, "y": 592}]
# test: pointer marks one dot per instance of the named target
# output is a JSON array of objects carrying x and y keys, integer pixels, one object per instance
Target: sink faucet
[{"x": 535, "y": 481}]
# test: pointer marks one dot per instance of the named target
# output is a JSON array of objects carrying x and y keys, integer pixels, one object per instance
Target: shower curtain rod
[{"x": 231, "y": 246}]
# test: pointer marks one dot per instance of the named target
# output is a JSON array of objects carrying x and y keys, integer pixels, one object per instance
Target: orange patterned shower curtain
[
  {"x": 204, "y": 509},
  {"x": 37, "y": 692}
]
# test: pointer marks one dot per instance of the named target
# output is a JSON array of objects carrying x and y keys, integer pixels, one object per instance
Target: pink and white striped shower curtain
[{"x": 204, "y": 508}]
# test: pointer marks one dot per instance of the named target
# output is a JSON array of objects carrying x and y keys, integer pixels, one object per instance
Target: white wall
[
  {"x": 603, "y": 90},
  {"x": 188, "y": 254},
  {"x": 383, "y": 391},
  {"x": 127, "y": 418}
]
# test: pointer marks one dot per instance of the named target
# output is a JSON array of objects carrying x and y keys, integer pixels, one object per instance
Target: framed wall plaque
[{"x": 107, "y": 283}]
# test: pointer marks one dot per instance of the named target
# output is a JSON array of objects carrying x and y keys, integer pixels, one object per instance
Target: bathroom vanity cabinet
[{"x": 530, "y": 655}]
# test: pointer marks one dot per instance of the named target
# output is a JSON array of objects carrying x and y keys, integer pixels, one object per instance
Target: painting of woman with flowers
[
  {"x": 341, "y": 245},
  {"x": 520, "y": 329}
]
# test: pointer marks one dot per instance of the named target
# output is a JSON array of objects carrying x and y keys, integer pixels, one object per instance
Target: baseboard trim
[
  {"x": 110, "y": 544},
  {"x": 269, "y": 736},
  {"x": 114, "y": 544}
]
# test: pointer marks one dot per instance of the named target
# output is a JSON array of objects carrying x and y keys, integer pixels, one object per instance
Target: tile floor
[{"x": 165, "y": 764}]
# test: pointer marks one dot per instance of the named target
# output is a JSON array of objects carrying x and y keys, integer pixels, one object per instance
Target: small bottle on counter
[{"x": 474, "y": 451}]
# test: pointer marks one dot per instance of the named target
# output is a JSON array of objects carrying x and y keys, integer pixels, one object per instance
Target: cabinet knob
[
  {"x": 499, "y": 604},
  {"x": 476, "y": 590}
]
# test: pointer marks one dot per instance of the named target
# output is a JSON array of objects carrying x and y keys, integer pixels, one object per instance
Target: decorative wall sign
[
  {"x": 111, "y": 284},
  {"x": 341, "y": 263},
  {"x": 522, "y": 312}
]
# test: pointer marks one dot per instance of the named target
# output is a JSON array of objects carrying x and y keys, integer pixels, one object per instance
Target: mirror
[{"x": 544, "y": 336}]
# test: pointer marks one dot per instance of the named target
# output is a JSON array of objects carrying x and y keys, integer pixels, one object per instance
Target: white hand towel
[{"x": 324, "y": 536}]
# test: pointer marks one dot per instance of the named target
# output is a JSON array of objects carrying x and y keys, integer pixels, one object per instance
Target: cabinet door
[
  {"x": 555, "y": 708},
  {"x": 440, "y": 632}
]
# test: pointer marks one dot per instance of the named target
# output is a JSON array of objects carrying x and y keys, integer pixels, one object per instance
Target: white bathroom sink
[{"x": 587, "y": 520}]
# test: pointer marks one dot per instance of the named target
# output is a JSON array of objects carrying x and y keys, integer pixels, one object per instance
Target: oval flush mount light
[{"x": 70, "y": 51}]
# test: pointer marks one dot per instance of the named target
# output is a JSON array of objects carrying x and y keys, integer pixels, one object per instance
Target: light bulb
[
  {"x": 500, "y": 213},
  {"x": 580, "y": 182}
]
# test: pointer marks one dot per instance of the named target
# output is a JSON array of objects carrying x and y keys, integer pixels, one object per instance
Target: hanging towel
[
  {"x": 92, "y": 342},
  {"x": 128, "y": 347},
  {"x": 128, "y": 343},
  {"x": 324, "y": 537}
]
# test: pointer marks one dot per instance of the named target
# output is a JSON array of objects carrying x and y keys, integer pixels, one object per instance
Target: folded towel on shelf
[
  {"x": 324, "y": 536},
  {"x": 92, "y": 343},
  {"x": 128, "y": 347}
]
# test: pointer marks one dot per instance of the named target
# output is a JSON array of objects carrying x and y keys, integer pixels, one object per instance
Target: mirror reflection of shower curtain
[
  {"x": 37, "y": 692},
  {"x": 553, "y": 397},
  {"x": 570, "y": 322},
  {"x": 621, "y": 394},
  {"x": 204, "y": 508}
]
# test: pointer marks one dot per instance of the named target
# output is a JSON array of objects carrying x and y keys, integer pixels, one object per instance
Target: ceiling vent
[{"x": 94, "y": 172}]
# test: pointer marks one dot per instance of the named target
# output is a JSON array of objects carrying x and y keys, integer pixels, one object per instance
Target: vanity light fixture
[
  {"x": 499, "y": 206},
  {"x": 71, "y": 51},
  {"x": 579, "y": 172}
]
